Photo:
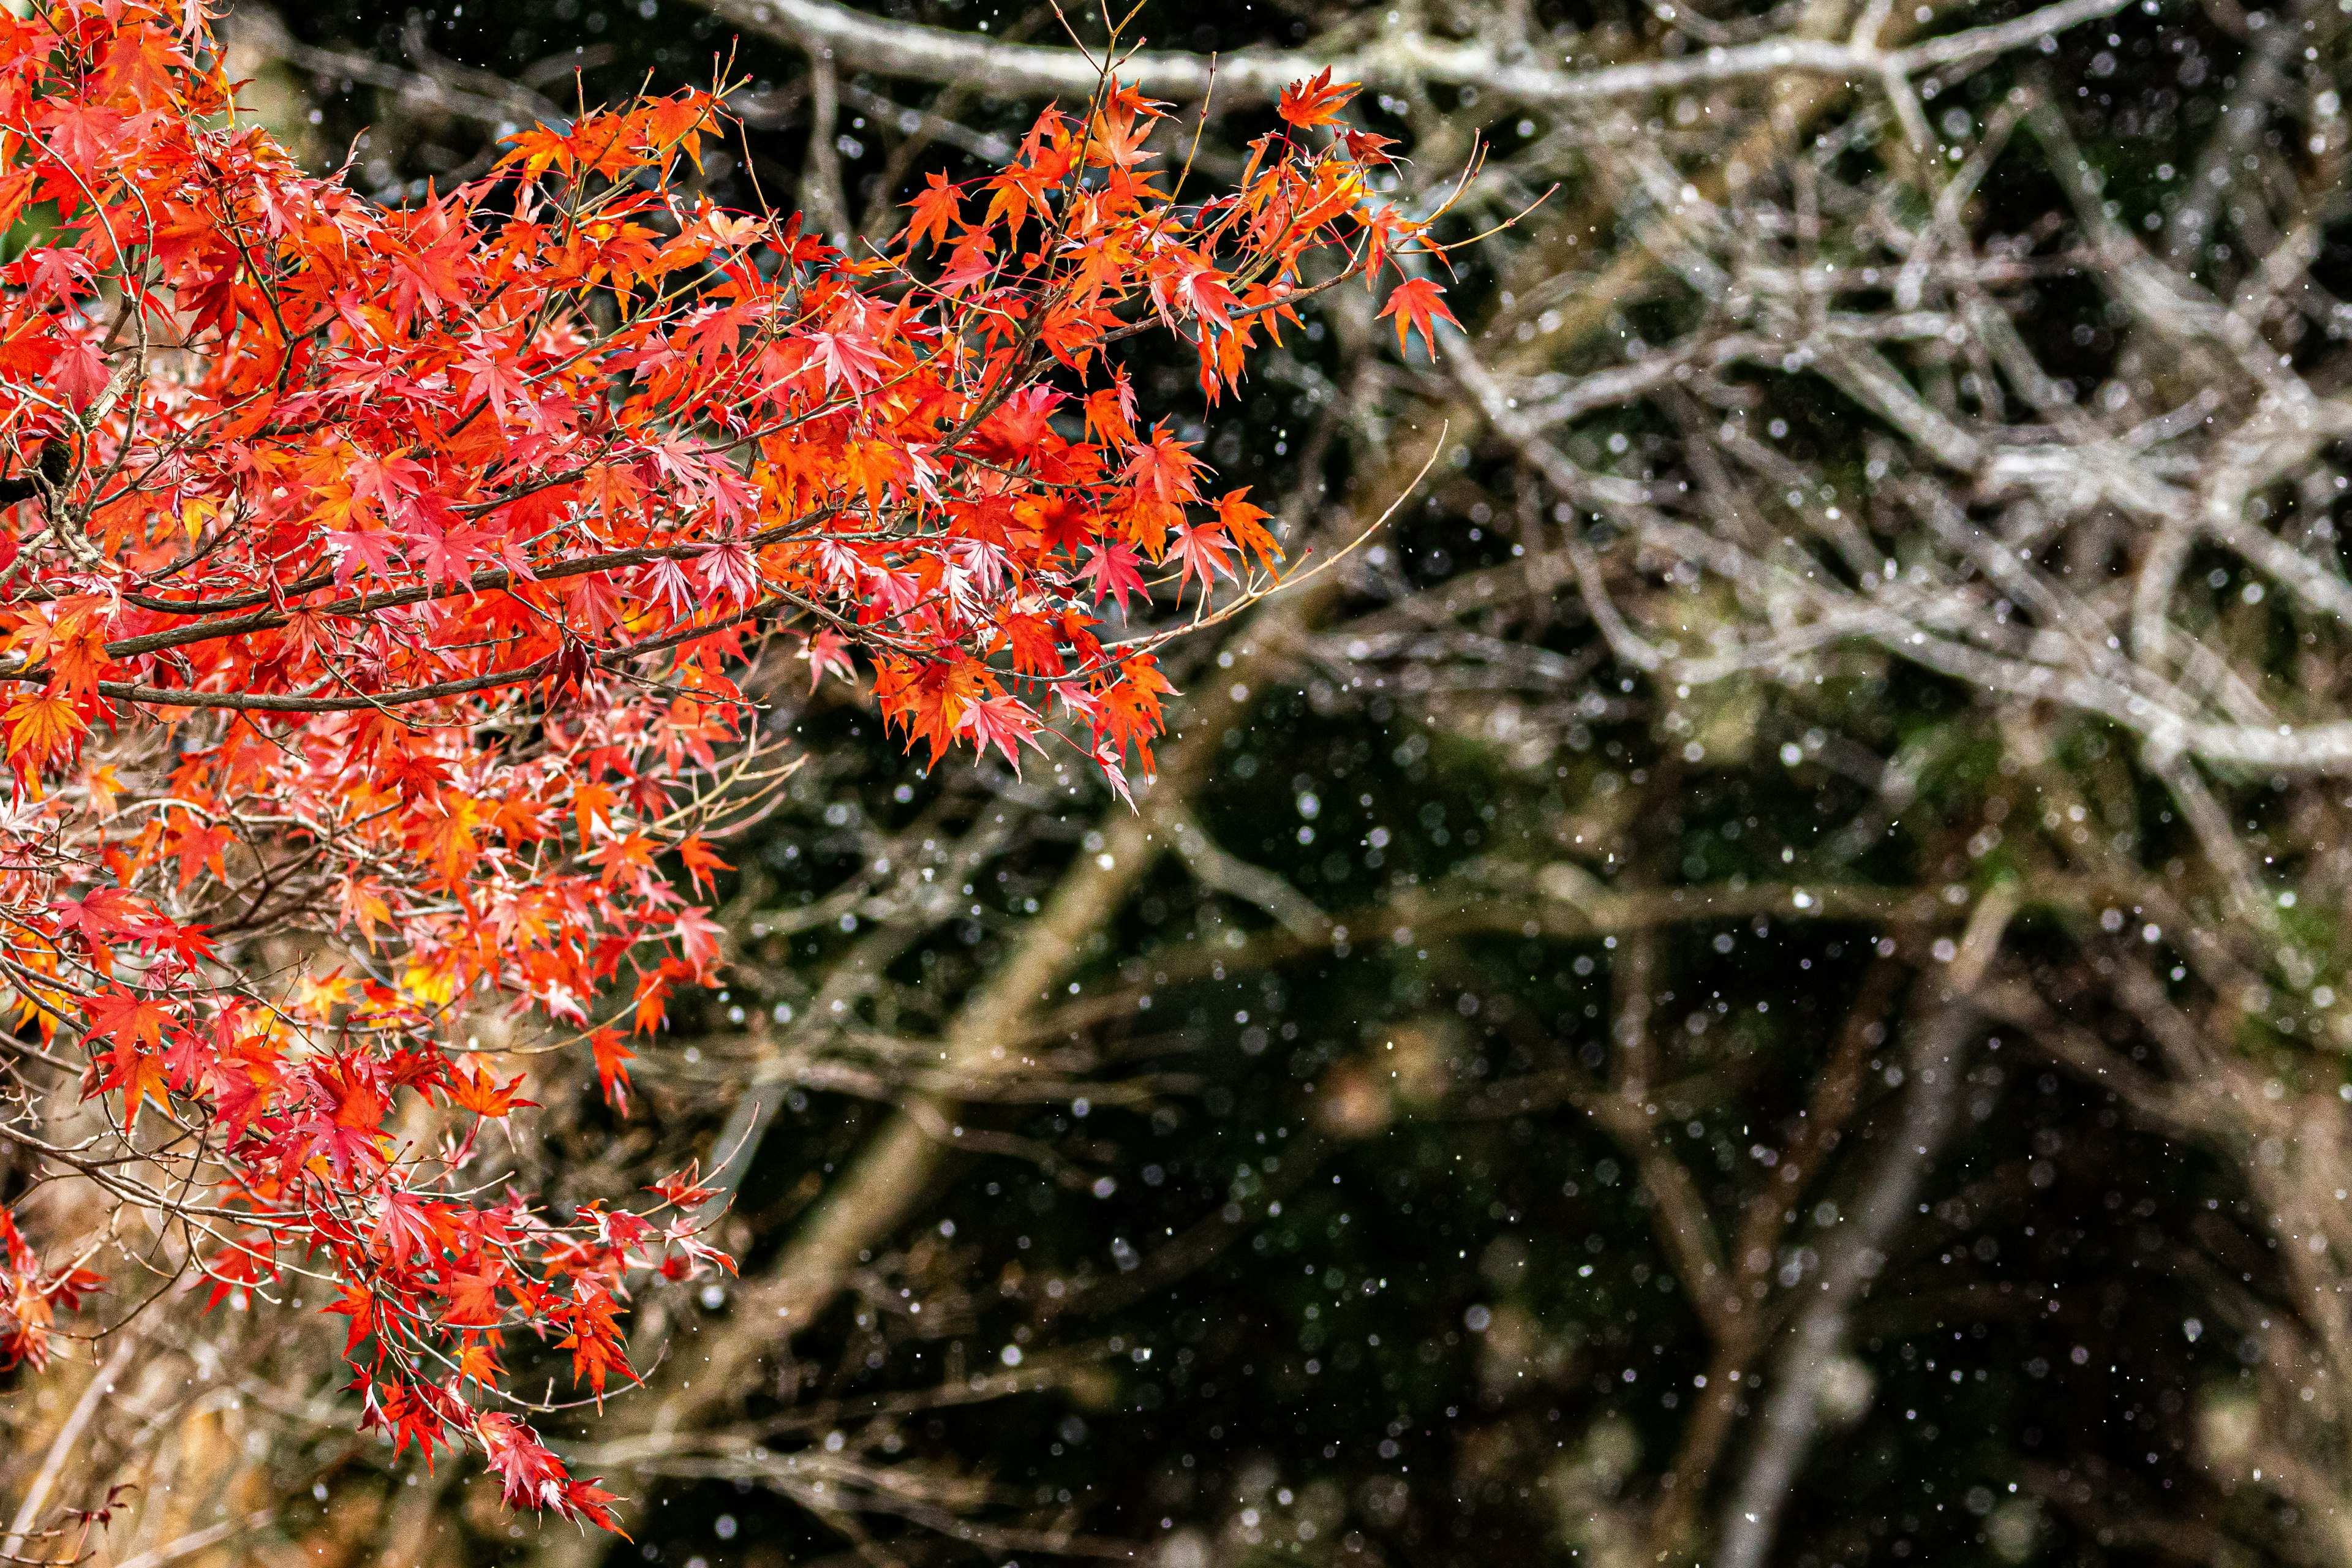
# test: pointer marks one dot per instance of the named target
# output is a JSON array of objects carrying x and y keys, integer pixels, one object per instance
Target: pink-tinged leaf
[
  {"x": 847, "y": 360},
  {"x": 1198, "y": 554},
  {"x": 78, "y": 373},
  {"x": 405, "y": 1227},
  {"x": 828, "y": 653},
  {"x": 699, "y": 935},
  {"x": 448, "y": 555},
  {"x": 375, "y": 550},
  {"x": 733, "y": 570},
  {"x": 1115, "y": 569},
  {"x": 1002, "y": 722},
  {"x": 670, "y": 585}
]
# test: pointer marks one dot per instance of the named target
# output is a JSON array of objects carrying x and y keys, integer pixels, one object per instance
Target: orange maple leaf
[
  {"x": 480, "y": 1361},
  {"x": 1413, "y": 304},
  {"x": 594, "y": 1341},
  {"x": 142, "y": 65},
  {"x": 1241, "y": 520},
  {"x": 702, "y": 860},
  {"x": 480, "y": 1092},
  {"x": 39, "y": 726},
  {"x": 77, "y": 656},
  {"x": 591, "y": 803},
  {"x": 1164, "y": 466},
  {"x": 1307, "y": 104},
  {"x": 630, "y": 852},
  {"x": 935, "y": 207}
]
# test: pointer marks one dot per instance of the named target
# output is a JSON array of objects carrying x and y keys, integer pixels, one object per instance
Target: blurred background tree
[{"x": 1757, "y": 977}]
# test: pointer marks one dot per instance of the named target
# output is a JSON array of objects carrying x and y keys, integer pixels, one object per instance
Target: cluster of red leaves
[
  {"x": 30, "y": 1297},
  {"x": 381, "y": 582}
]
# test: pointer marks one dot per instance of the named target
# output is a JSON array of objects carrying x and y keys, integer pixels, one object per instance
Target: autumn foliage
[{"x": 378, "y": 592}]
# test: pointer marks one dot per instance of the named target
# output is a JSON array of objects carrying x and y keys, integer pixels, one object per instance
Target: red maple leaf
[
  {"x": 613, "y": 1056},
  {"x": 684, "y": 1188},
  {"x": 1242, "y": 521},
  {"x": 1164, "y": 467},
  {"x": 132, "y": 1022},
  {"x": 473, "y": 1300},
  {"x": 1003, "y": 723},
  {"x": 529, "y": 1476},
  {"x": 351, "y": 1135},
  {"x": 407, "y": 1227}
]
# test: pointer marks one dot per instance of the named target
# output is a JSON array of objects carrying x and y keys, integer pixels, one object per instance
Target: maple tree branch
[
  {"x": 51, "y": 470},
  {"x": 100, "y": 1387},
  {"x": 821, "y": 188},
  {"x": 538, "y": 670},
  {"x": 484, "y": 581},
  {"x": 185, "y": 1546},
  {"x": 479, "y": 95},
  {"x": 1937, "y": 1061},
  {"x": 1219, "y": 868},
  {"x": 1767, "y": 1217},
  {"x": 1403, "y": 58}
]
